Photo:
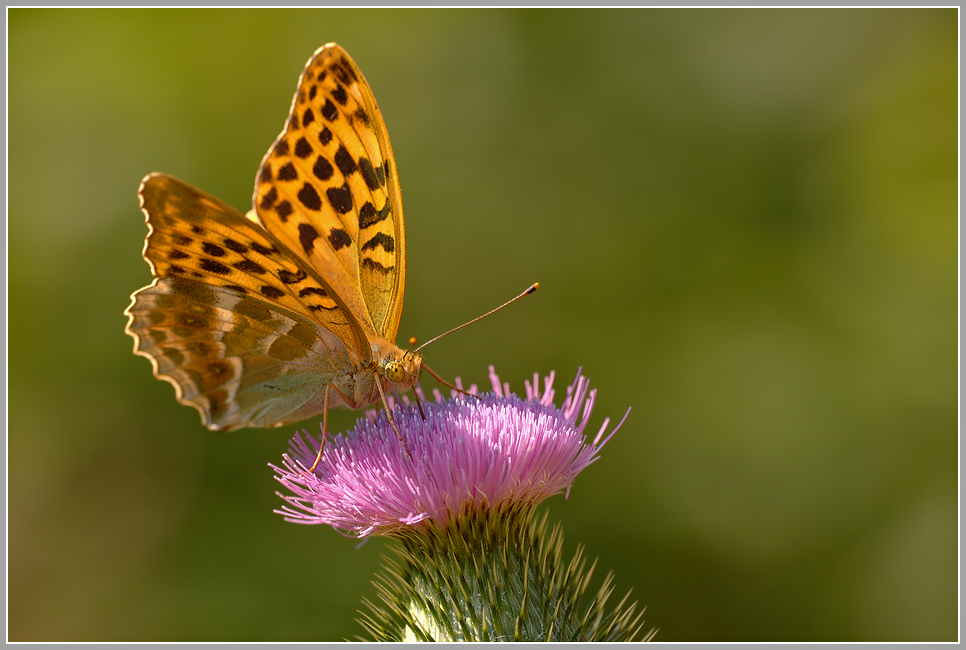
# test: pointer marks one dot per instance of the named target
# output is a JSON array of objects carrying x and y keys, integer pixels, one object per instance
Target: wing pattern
[{"x": 328, "y": 189}]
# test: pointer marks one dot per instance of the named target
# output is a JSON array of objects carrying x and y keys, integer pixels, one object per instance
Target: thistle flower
[
  {"x": 474, "y": 565},
  {"x": 469, "y": 453}
]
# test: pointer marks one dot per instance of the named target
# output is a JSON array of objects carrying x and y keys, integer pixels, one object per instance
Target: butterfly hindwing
[
  {"x": 238, "y": 360},
  {"x": 328, "y": 190}
]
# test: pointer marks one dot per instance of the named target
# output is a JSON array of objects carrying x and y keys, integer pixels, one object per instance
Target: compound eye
[{"x": 395, "y": 372}]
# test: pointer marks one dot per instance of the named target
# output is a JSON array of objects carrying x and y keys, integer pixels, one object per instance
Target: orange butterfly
[{"x": 269, "y": 318}]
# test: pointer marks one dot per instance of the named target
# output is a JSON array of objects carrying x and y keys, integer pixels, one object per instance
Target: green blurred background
[{"x": 744, "y": 223}]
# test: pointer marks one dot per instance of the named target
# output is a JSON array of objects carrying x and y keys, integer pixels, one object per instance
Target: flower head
[{"x": 467, "y": 453}]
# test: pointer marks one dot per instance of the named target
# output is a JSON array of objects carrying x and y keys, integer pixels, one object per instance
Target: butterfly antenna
[
  {"x": 533, "y": 287},
  {"x": 412, "y": 344}
]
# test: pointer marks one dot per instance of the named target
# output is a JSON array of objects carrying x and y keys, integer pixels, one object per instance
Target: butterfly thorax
[{"x": 397, "y": 370}]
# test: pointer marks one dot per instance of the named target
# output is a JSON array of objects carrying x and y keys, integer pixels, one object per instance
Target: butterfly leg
[
  {"x": 419, "y": 404},
  {"x": 385, "y": 405},
  {"x": 325, "y": 429}
]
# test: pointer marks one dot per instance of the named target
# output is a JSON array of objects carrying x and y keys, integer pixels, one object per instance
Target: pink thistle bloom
[{"x": 467, "y": 454}]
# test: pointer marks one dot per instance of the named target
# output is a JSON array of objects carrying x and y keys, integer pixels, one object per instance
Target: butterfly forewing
[
  {"x": 328, "y": 190},
  {"x": 194, "y": 235}
]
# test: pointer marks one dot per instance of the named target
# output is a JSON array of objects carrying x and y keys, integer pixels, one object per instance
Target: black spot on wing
[
  {"x": 339, "y": 95},
  {"x": 339, "y": 238},
  {"x": 249, "y": 266},
  {"x": 368, "y": 215},
  {"x": 271, "y": 292},
  {"x": 284, "y": 210},
  {"x": 302, "y": 148},
  {"x": 307, "y": 117},
  {"x": 368, "y": 173},
  {"x": 287, "y": 173},
  {"x": 344, "y": 161},
  {"x": 313, "y": 291},
  {"x": 325, "y": 135},
  {"x": 263, "y": 250},
  {"x": 340, "y": 198},
  {"x": 344, "y": 72},
  {"x": 269, "y": 199},
  {"x": 329, "y": 111},
  {"x": 291, "y": 278},
  {"x": 380, "y": 239},
  {"x": 213, "y": 267},
  {"x": 376, "y": 266},
  {"x": 307, "y": 236},
  {"x": 231, "y": 244},
  {"x": 175, "y": 254},
  {"x": 309, "y": 197},
  {"x": 212, "y": 249},
  {"x": 322, "y": 169}
]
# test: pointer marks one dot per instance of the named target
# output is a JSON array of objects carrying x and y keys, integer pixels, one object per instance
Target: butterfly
[{"x": 268, "y": 318}]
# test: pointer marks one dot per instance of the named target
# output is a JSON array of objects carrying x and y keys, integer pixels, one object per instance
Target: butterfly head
[{"x": 399, "y": 367}]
